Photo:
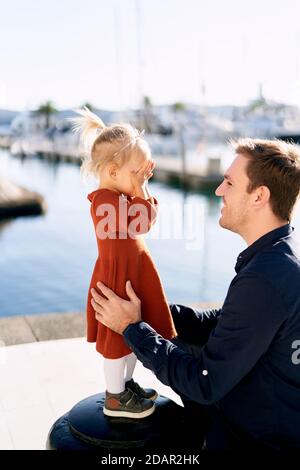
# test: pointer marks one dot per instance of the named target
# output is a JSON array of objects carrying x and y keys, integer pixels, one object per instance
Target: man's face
[{"x": 236, "y": 210}]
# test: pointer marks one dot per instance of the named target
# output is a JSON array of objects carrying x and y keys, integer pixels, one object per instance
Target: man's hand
[{"x": 114, "y": 312}]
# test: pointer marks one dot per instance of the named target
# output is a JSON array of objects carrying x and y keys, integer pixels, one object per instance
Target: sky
[{"x": 112, "y": 52}]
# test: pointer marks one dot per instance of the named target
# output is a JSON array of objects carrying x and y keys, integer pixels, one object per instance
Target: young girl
[{"x": 122, "y": 209}]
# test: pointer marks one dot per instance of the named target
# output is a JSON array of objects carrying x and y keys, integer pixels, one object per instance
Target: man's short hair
[{"x": 275, "y": 164}]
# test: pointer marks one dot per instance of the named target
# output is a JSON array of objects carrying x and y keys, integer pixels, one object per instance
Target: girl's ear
[{"x": 112, "y": 170}]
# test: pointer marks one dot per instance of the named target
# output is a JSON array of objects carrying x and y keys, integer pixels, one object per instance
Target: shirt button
[{"x": 204, "y": 372}]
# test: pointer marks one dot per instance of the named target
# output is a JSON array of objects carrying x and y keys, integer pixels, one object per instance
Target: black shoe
[
  {"x": 147, "y": 393},
  {"x": 127, "y": 404}
]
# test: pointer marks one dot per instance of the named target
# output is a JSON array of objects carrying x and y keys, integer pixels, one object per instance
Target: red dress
[{"x": 123, "y": 255}]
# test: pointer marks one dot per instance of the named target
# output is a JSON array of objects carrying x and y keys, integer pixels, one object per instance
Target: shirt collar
[{"x": 267, "y": 239}]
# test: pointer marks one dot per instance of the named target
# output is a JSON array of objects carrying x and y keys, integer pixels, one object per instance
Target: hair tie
[
  {"x": 139, "y": 135},
  {"x": 99, "y": 130}
]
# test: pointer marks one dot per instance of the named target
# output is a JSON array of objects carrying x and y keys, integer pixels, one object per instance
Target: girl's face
[{"x": 123, "y": 181}]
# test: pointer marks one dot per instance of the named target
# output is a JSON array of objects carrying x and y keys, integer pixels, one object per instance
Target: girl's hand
[{"x": 143, "y": 174}]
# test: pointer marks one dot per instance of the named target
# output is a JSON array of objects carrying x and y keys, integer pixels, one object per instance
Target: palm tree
[
  {"x": 47, "y": 109},
  {"x": 147, "y": 105},
  {"x": 178, "y": 109}
]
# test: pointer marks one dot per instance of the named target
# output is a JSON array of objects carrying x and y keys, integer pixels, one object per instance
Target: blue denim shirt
[{"x": 248, "y": 365}]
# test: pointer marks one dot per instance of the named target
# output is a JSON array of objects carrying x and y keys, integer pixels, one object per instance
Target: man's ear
[{"x": 262, "y": 196}]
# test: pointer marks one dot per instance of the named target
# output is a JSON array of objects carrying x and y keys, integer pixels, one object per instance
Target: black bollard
[{"x": 85, "y": 427}]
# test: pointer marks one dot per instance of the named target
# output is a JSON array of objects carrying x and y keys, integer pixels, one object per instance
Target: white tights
[{"x": 114, "y": 372}]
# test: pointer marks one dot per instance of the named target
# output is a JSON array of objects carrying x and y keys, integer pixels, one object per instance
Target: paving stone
[
  {"x": 49, "y": 326},
  {"x": 15, "y": 330},
  {"x": 57, "y": 325}
]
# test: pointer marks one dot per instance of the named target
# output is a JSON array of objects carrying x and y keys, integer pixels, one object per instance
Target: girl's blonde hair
[{"x": 104, "y": 144}]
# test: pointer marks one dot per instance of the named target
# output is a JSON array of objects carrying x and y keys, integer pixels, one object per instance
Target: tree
[
  {"x": 47, "y": 109},
  {"x": 178, "y": 111},
  {"x": 147, "y": 105},
  {"x": 178, "y": 107}
]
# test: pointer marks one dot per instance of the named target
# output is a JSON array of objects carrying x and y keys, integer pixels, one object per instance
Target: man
[{"x": 241, "y": 370}]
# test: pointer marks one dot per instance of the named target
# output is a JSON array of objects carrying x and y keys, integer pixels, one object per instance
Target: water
[{"x": 46, "y": 261}]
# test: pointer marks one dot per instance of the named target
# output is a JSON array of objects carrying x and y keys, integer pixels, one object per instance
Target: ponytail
[
  {"x": 102, "y": 144},
  {"x": 87, "y": 126}
]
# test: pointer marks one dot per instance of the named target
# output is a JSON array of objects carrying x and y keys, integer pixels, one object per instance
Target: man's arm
[
  {"x": 194, "y": 325},
  {"x": 252, "y": 314}
]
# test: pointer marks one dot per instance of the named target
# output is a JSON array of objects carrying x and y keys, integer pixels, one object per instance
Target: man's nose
[{"x": 219, "y": 191}]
